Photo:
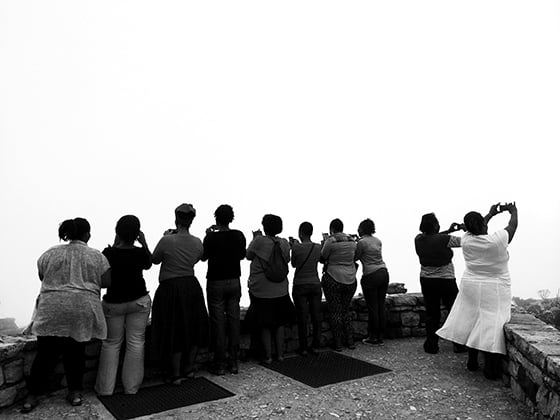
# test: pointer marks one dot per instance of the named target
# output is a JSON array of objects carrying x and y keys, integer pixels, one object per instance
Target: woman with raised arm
[
  {"x": 437, "y": 275},
  {"x": 68, "y": 312},
  {"x": 127, "y": 308},
  {"x": 179, "y": 316},
  {"x": 339, "y": 282},
  {"x": 483, "y": 305}
]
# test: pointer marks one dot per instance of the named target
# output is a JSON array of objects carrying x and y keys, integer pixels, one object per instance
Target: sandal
[
  {"x": 29, "y": 404},
  {"x": 74, "y": 398}
]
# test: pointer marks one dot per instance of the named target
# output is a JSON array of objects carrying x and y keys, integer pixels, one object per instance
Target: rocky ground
[{"x": 420, "y": 386}]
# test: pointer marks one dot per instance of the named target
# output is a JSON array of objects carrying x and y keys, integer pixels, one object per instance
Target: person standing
[
  {"x": 374, "y": 282},
  {"x": 126, "y": 306},
  {"x": 339, "y": 282},
  {"x": 68, "y": 312},
  {"x": 271, "y": 307},
  {"x": 483, "y": 305},
  {"x": 179, "y": 316},
  {"x": 224, "y": 248},
  {"x": 437, "y": 274},
  {"x": 306, "y": 290}
]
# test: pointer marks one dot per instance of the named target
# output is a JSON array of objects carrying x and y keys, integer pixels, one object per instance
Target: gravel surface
[{"x": 420, "y": 386}]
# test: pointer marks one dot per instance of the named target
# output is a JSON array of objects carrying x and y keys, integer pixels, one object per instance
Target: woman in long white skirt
[{"x": 483, "y": 304}]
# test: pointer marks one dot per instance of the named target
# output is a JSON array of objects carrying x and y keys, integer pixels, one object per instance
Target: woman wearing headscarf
[
  {"x": 179, "y": 316},
  {"x": 68, "y": 312},
  {"x": 437, "y": 274},
  {"x": 339, "y": 282},
  {"x": 483, "y": 305},
  {"x": 127, "y": 308}
]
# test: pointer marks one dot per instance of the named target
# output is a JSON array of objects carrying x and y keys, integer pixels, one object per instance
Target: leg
[
  {"x": 48, "y": 352},
  {"x": 347, "y": 293},
  {"x": 110, "y": 349},
  {"x": 266, "y": 343},
  {"x": 301, "y": 304},
  {"x": 370, "y": 297},
  {"x": 279, "y": 340},
  {"x": 383, "y": 276},
  {"x": 74, "y": 358},
  {"x": 133, "y": 365},
  {"x": 233, "y": 323},
  {"x": 216, "y": 309},
  {"x": 472, "y": 363},
  {"x": 315, "y": 310},
  {"x": 492, "y": 366},
  {"x": 332, "y": 296},
  {"x": 432, "y": 301}
]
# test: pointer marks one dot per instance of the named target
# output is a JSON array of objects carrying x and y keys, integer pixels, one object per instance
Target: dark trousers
[
  {"x": 436, "y": 292},
  {"x": 374, "y": 288},
  {"x": 307, "y": 300},
  {"x": 338, "y": 298},
  {"x": 223, "y": 307},
  {"x": 49, "y": 350}
]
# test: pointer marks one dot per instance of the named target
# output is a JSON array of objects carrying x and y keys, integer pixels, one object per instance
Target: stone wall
[{"x": 533, "y": 366}]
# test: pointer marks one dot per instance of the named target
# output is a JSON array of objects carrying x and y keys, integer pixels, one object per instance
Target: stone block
[
  {"x": 362, "y": 316},
  {"x": 418, "y": 332},
  {"x": 28, "y": 358},
  {"x": 13, "y": 371},
  {"x": 410, "y": 299},
  {"x": 410, "y": 319},
  {"x": 8, "y": 396},
  {"x": 1, "y": 376},
  {"x": 360, "y": 328},
  {"x": 553, "y": 367},
  {"x": 10, "y": 350}
]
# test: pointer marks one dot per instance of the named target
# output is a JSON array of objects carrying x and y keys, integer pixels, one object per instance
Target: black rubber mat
[
  {"x": 155, "y": 399},
  {"x": 325, "y": 369}
]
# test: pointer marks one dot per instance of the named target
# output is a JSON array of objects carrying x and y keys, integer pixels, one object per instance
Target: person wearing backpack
[{"x": 271, "y": 307}]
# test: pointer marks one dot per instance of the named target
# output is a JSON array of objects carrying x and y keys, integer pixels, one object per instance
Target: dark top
[
  {"x": 224, "y": 250},
  {"x": 433, "y": 250},
  {"x": 127, "y": 282}
]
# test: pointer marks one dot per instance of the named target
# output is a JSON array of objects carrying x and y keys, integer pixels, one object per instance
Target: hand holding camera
[
  {"x": 256, "y": 233},
  {"x": 141, "y": 239}
]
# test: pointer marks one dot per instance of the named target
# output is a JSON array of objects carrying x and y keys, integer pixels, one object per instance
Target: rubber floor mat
[
  {"x": 325, "y": 369},
  {"x": 158, "y": 398}
]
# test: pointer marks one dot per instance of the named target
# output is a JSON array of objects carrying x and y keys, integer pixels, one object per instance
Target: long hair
[{"x": 474, "y": 222}]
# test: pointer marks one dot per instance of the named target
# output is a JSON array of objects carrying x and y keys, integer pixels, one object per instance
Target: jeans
[
  {"x": 128, "y": 320},
  {"x": 49, "y": 350},
  {"x": 307, "y": 300},
  {"x": 223, "y": 308},
  {"x": 436, "y": 291},
  {"x": 374, "y": 288},
  {"x": 339, "y": 296}
]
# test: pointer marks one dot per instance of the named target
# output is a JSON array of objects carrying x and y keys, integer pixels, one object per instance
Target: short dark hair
[
  {"x": 367, "y": 226},
  {"x": 474, "y": 222},
  {"x": 336, "y": 225},
  {"x": 306, "y": 229},
  {"x": 429, "y": 224},
  {"x": 128, "y": 228},
  {"x": 224, "y": 214},
  {"x": 272, "y": 224},
  {"x": 73, "y": 229}
]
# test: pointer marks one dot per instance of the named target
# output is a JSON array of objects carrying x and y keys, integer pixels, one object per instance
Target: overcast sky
[{"x": 309, "y": 110}]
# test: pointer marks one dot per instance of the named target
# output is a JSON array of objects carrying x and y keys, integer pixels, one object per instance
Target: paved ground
[{"x": 420, "y": 386}]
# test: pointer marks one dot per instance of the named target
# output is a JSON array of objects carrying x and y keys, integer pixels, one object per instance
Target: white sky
[{"x": 309, "y": 110}]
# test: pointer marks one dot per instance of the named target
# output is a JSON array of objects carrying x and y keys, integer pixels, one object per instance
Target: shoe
[
  {"x": 280, "y": 358},
  {"x": 217, "y": 370},
  {"x": 74, "y": 398},
  {"x": 267, "y": 362},
  {"x": 459, "y": 348},
  {"x": 29, "y": 404},
  {"x": 491, "y": 375},
  {"x": 431, "y": 348},
  {"x": 351, "y": 346},
  {"x": 233, "y": 367},
  {"x": 472, "y": 365},
  {"x": 303, "y": 352},
  {"x": 368, "y": 341},
  {"x": 313, "y": 351}
]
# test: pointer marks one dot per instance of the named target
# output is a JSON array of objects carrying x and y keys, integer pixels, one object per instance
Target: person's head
[
  {"x": 272, "y": 224},
  {"x": 305, "y": 230},
  {"x": 74, "y": 229},
  {"x": 429, "y": 224},
  {"x": 366, "y": 227},
  {"x": 475, "y": 223},
  {"x": 128, "y": 228},
  {"x": 224, "y": 215},
  {"x": 336, "y": 226},
  {"x": 184, "y": 215}
]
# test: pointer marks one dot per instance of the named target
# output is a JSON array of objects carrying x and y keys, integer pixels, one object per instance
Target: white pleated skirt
[{"x": 478, "y": 316}]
